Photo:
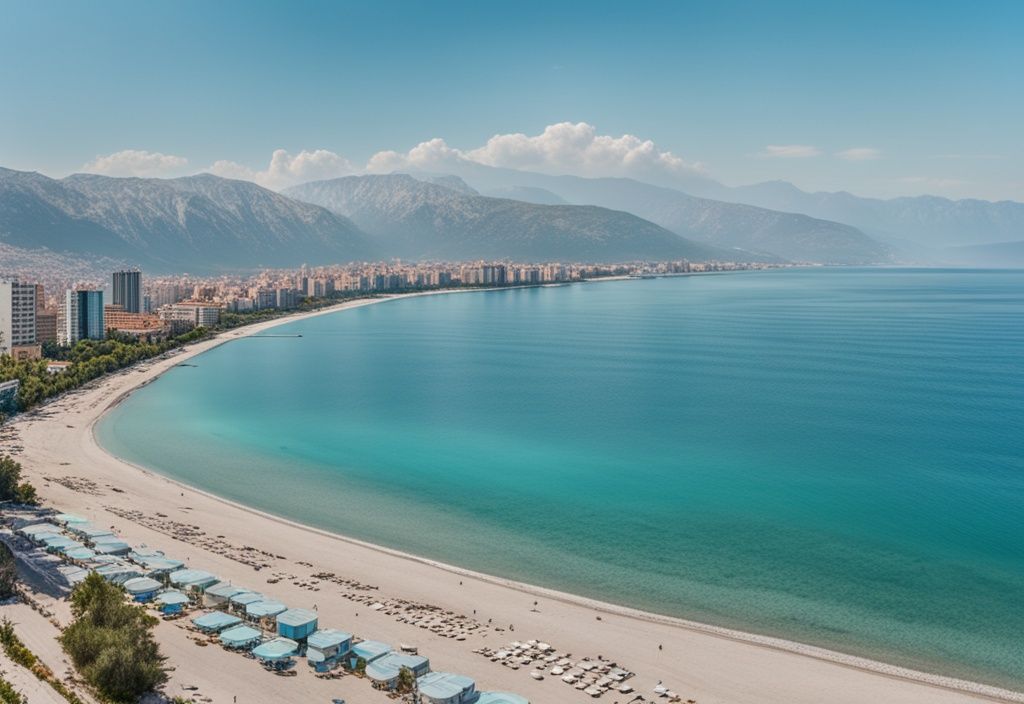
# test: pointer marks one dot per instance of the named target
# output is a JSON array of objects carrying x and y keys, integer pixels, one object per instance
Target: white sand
[{"x": 700, "y": 662}]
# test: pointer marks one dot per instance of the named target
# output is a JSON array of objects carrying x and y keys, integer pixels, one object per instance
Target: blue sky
[{"x": 880, "y": 98}]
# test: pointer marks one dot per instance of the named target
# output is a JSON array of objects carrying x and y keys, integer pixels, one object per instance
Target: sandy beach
[{"x": 345, "y": 580}]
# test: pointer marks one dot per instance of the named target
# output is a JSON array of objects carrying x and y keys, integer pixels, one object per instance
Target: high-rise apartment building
[
  {"x": 83, "y": 317},
  {"x": 17, "y": 316},
  {"x": 128, "y": 291}
]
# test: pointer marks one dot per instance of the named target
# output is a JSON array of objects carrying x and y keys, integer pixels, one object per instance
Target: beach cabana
[
  {"x": 117, "y": 573},
  {"x": 239, "y": 602},
  {"x": 446, "y": 688},
  {"x": 57, "y": 543},
  {"x": 79, "y": 554},
  {"x": 38, "y": 529},
  {"x": 72, "y": 575},
  {"x": 67, "y": 519},
  {"x": 501, "y": 698},
  {"x": 326, "y": 647},
  {"x": 215, "y": 621},
  {"x": 112, "y": 547},
  {"x": 368, "y": 650},
  {"x": 220, "y": 593},
  {"x": 171, "y": 602},
  {"x": 142, "y": 589},
  {"x": 196, "y": 580},
  {"x": 277, "y": 652},
  {"x": 264, "y": 609},
  {"x": 384, "y": 670},
  {"x": 241, "y": 638},
  {"x": 297, "y": 624},
  {"x": 161, "y": 566},
  {"x": 89, "y": 531}
]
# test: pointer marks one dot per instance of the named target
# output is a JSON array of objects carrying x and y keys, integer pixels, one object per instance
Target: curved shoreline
[{"x": 817, "y": 653}]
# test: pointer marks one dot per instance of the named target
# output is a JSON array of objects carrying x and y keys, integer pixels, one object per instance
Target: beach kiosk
[
  {"x": 192, "y": 580},
  {"x": 142, "y": 589},
  {"x": 171, "y": 603},
  {"x": 241, "y": 638},
  {"x": 446, "y": 688},
  {"x": 219, "y": 594},
  {"x": 384, "y": 670},
  {"x": 277, "y": 653},
  {"x": 326, "y": 647},
  {"x": 297, "y": 624},
  {"x": 215, "y": 621},
  {"x": 501, "y": 698}
]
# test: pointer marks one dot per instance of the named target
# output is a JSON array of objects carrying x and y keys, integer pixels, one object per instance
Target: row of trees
[
  {"x": 111, "y": 642},
  {"x": 89, "y": 359}
]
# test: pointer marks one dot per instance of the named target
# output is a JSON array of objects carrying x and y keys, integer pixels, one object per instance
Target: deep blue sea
[{"x": 830, "y": 456}]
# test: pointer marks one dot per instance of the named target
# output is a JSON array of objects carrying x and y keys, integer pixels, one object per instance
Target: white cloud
[
  {"x": 287, "y": 170},
  {"x": 136, "y": 162},
  {"x": 563, "y": 148},
  {"x": 432, "y": 154},
  {"x": 790, "y": 151},
  {"x": 860, "y": 154}
]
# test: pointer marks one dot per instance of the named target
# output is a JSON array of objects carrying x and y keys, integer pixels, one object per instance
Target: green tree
[
  {"x": 11, "y": 486},
  {"x": 406, "y": 680},
  {"x": 111, "y": 642},
  {"x": 8, "y": 573}
]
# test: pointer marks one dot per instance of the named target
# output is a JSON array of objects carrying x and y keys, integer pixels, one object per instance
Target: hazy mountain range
[
  {"x": 918, "y": 229},
  {"x": 442, "y": 219},
  {"x": 205, "y": 223},
  {"x": 198, "y": 224}
]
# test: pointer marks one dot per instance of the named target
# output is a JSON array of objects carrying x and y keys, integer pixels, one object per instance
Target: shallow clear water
[{"x": 832, "y": 456}]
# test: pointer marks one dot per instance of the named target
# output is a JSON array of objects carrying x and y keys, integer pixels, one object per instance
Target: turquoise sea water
[{"x": 832, "y": 456}]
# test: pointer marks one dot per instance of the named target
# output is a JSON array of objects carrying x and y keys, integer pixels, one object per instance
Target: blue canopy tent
[
  {"x": 265, "y": 608},
  {"x": 196, "y": 580},
  {"x": 215, "y": 621},
  {"x": 384, "y": 670},
  {"x": 501, "y": 698},
  {"x": 241, "y": 638},
  {"x": 142, "y": 589},
  {"x": 446, "y": 688},
  {"x": 277, "y": 652},
  {"x": 368, "y": 650},
  {"x": 171, "y": 602},
  {"x": 239, "y": 602}
]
